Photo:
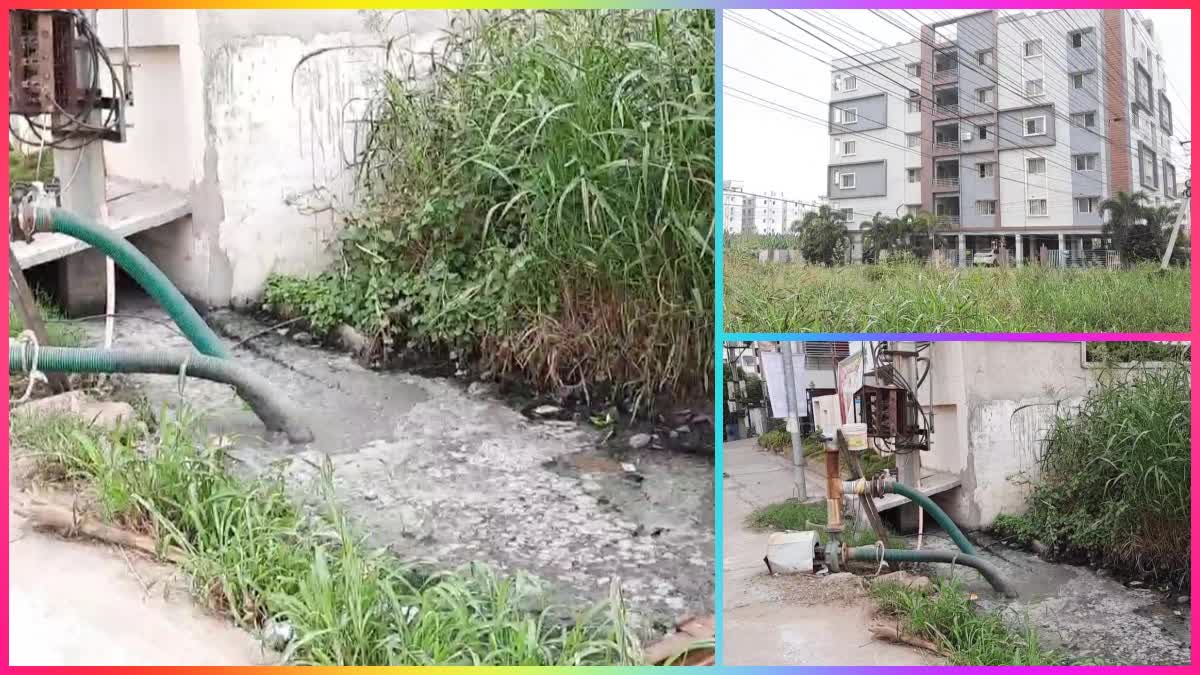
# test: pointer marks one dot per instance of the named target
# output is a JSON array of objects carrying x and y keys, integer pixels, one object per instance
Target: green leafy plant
[{"x": 545, "y": 202}]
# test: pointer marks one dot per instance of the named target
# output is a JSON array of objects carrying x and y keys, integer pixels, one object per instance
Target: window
[
  {"x": 914, "y": 140},
  {"x": 1148, "y": 166},
  {"x": 1086, "y": 162},
  {"x": 1035, "y": 126},
  {"x": 846, "y": 181},
  {"x": 914, "y": 69},
  {"x": 1037, "y": 207},
  {"x": 986, "y": 207},
  {"x": 1086, "y": 204},
  {"x": 849, "y": 83},
  {"x": 1035, "y": 165},
  {"x": 914, "y": 175},
  {"x": 987, "y": 169},
  {"x": 847, "y": 214},
  {"x": 1086, "y": 120},
  {"x": 1077, "y": 38},
  {"x": 1033, "y": 48},
  {"x": 1164, "y": 114},
  {"x": 986, "y": 57},
  {"x": 914, "y": 106},
  {"x": 1142, "y": 88},
  {"x": 1034, "y": 87},
  {"x": 1169, "y": 179},
  {"x": 983, "y": 130},
  {"x": 850, "y": 116},
  {"x": 986, "y": 95},
  {"x": 849, "y": 147},
  {"x": 1079, "y": 80}
]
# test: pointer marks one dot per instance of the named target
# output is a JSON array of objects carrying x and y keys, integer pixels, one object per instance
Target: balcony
[
  {"x": 945, "y": 183},
  {"x": 948, "y": 219},
  {"x": 950, "y": 109},
  {"x": 946, "y": 146}
]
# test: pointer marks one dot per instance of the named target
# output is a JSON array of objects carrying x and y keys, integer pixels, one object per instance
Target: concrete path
[
  {"x": 795, "y": 619},
  {"x": 74, "y": 603}
]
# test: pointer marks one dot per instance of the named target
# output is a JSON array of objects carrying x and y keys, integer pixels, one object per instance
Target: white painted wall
[
  {"x": 254, "y": 113},
  {"x": 993, "y": 403}
]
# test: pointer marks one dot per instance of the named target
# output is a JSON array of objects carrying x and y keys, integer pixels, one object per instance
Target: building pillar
[
  {"x": 1017, "y": 250},
  {"x": 81, "y": 283},
  {"x": 962, "y": 250},
  {"x": 1061, "y": 253}
]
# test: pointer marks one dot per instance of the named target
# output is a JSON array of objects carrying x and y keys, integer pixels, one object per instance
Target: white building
[{"x": 1008, "y": 128}]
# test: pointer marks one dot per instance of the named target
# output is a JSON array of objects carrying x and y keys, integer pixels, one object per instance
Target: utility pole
[
  {"x": 793, "y": 420},
  {"x": 1179, "y": 220},
  {"x": 81, "y": 172}
]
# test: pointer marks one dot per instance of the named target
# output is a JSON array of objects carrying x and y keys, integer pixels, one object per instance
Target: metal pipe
[
  {"x": 988, "y": 570},
  {"x": 833, "y": 489},
  {"x": 793, "y": 417}
]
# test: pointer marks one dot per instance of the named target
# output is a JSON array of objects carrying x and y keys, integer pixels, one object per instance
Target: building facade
[{"x": 1010, "y": 130}]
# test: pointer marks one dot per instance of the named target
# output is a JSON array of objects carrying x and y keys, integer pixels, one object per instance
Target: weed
[
  {"x": 1115, "y": 485},
  {"x": 947, "y": 617},
  {"x": 546, "y": 202},
  {"x": 915, "y": 298},
  {"x": 24, "y": 168},
  {"x": 61, "y": 332},
  {"x": 253, "y": 555},
  {"x": 792, "y": 515}
]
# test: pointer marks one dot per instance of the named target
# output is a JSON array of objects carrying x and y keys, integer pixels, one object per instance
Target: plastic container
[{"x": 856, "y": 436}]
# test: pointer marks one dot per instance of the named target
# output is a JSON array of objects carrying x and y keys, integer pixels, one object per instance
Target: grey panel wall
[
  {"x": 1012, "y": 129},
  {"x": 870, "y": 180},
  {"x": 972, "y": 188},
  {"x": 976, "y": 33},
  {"x": 1087, "y": 56},
  {"x": 976, "y": 144},
  {"x": 872, "y": 114}
]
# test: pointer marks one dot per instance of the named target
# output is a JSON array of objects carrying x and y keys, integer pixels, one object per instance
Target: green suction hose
[
  {"x": 936, "y": 511},
  {"x": 138, "y": 266},
  {"x": 273, "y": 409},
  {"x": 989, "y": 571}
]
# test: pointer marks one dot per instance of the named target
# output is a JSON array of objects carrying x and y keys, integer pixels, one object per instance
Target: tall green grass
[
  {"x": 1115, "y": 483},
  {"x": 925, "y": 299},
  {"x": 256, "y": 557},
  {"x": 61, "y": 331},
  {"x": 546, "y": 200},
  {"x": 946, "y": 617}
]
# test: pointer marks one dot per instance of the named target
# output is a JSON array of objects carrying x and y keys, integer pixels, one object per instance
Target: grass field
[{"x": 781, "y": 298}]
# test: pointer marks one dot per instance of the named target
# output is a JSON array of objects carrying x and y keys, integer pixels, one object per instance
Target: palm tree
[
  {"x": 1123, "y": 212},
  {"x": 823, "y": 236}
]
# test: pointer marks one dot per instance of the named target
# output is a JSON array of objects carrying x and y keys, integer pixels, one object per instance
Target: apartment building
[
  {"x": 734, "y": 206},
  {"x": 1011, "y": 129}
]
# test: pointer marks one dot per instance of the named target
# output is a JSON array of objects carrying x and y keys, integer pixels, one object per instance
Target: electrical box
[{"x": 43, "y": 70}]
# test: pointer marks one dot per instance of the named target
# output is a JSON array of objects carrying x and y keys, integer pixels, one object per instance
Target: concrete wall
[
  {"x": 993, "y": 404},
  {"x": 254, "y": 113}
]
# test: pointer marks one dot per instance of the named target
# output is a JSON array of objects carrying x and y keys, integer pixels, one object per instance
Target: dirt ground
[
  {"x": 436, "y": 473},
  {"x": 789, "y": 619}
]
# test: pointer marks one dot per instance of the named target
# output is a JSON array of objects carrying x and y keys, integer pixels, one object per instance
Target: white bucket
[{"x": 856, "y": 436}]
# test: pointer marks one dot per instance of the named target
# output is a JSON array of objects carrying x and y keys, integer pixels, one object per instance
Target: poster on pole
[
  {"x": 849, "y": 381},
  {"x": 773, "y": 374}
]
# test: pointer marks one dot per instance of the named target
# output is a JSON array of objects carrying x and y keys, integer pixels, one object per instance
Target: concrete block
[
  {"x": 81, "y": 283},
  {"x": 104, "y": 414}
]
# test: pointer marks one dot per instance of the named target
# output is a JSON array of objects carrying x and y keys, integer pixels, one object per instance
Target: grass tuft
[
  {"x": 792, "y": 515},
  {"x": 947, "y": 617},
  {"x": 254, "y": 556}
]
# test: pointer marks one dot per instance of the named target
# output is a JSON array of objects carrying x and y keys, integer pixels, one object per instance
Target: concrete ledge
[
  {"x": 132, "y": 208},
  {"x": 932, "y": 483}
]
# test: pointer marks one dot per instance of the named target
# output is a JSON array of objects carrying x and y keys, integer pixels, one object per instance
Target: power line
[{"x": 861, "y": 134}]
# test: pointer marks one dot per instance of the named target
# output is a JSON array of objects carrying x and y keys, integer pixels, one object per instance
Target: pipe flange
[{"x": 833, "y": 556}]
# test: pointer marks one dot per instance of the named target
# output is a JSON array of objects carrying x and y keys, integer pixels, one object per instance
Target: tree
[
  {"x": 823, "y": 236},
  {"x": 1160, "y": 220},
  {"x": 1126, "y": 226},
  {"x": 1138, "y": 230}
]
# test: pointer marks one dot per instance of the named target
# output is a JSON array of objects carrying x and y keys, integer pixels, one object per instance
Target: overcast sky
[{"x": 772, "y": 150}]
